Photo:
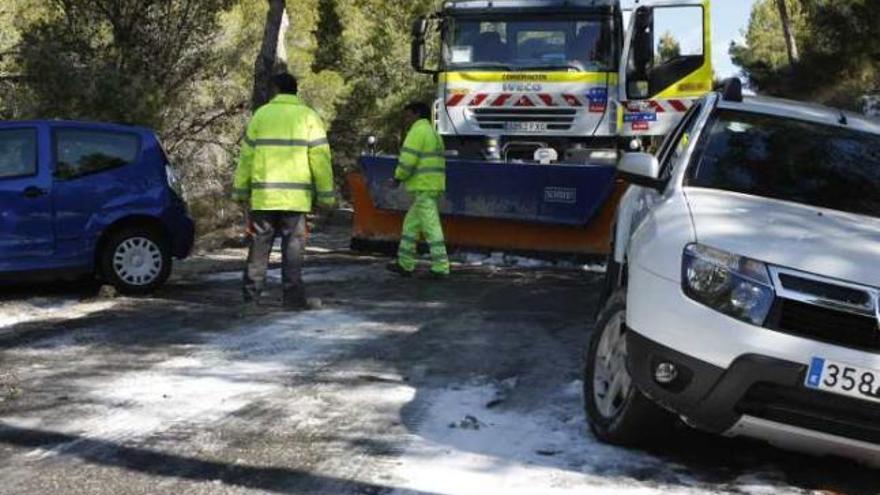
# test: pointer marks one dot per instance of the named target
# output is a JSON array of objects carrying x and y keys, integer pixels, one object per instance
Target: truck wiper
[
  {"x": 486, "y": 65},
  {"x": 553, "y": 67}
]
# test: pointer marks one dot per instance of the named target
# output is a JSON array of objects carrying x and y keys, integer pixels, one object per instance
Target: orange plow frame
[{"x": 374, "y": 227}]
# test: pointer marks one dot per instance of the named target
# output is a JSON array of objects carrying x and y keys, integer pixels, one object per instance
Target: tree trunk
[
  {"x": 268, "y": 58},
  {"x": 790, "y": 41}
]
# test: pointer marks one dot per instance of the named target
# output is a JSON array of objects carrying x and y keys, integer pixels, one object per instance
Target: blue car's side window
[
  {"x": 18, "y": 153},
  {"x": 82, "y": 152}
]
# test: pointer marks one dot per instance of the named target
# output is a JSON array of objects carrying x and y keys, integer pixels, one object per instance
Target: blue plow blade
[{"x": 556, "y": 194}]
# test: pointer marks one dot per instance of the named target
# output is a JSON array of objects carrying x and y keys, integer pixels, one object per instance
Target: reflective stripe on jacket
[
  {"x": 422, "y": 165},
  {"x": 285, "y": 159}
]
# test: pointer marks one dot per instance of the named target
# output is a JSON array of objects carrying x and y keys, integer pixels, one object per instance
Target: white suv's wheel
[
  {"x": 136, "y": 260},
  {"x": 618, "y": 412},
  {"x": 611, "y": 380}
]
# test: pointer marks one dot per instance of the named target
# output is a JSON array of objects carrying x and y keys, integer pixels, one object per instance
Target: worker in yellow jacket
[
  {"x": 422, "y": 170},
  {"x": 284, "y": 168}
]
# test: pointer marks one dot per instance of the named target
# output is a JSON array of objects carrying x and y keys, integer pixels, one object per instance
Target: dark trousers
[{"x": 265, "y": 226}]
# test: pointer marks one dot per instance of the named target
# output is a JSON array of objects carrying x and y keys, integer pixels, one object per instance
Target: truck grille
[
  {"x": 556, "y": 119},
  {"x": 826, "y": 311}
]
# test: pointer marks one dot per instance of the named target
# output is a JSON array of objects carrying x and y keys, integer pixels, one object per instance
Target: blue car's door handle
[{"x": 33, "y": 192}]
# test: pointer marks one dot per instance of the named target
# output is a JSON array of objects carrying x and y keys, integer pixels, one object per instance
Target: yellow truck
[{"x": 536, "y": 101}]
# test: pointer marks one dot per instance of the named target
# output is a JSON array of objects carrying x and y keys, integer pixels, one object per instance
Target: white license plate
[
  {"x": 844, "y": 379},
  {"x": 526, "y": 126}
]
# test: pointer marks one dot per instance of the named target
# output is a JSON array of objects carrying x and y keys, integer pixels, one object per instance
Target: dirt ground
[{"x": 465, "y": 386}]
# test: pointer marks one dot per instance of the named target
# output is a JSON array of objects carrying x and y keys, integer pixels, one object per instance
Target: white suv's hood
[{"x": 819, "y": 241}]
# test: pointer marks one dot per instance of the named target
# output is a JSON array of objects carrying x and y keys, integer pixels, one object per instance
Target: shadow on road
[{"x": 273, "y": 479}]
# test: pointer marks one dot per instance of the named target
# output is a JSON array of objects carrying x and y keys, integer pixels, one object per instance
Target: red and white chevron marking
[
  {"x": 659, "y": 106},
  {"x": 526, "y": 100}
]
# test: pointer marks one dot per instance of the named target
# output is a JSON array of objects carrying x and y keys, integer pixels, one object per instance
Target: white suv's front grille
[{"x": 826, "y": 310}]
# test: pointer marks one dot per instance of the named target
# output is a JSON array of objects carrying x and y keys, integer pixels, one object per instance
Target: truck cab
[
  {"x": 536, "y": 101},
  {"x": 561, "y": 80},
  {"x": 515, "y": 76}
]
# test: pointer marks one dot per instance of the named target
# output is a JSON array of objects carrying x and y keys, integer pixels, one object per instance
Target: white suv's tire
[{"x": 617, "y": 411}]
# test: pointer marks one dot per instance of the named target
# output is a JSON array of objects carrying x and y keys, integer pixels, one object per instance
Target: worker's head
[
  {"x": 285, "y": 83},
  {"x": 415, "y": 111}
]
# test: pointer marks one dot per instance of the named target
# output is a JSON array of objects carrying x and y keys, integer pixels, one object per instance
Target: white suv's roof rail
[{"x": 810, "y": 112}]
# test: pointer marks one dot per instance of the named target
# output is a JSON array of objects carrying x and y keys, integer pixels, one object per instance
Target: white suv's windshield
[
  {"x": 791, "y": 160},
  {"x": 511, "y": 44}
]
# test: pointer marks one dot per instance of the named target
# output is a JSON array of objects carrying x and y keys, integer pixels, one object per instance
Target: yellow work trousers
[{"x": 423, "y": 219}]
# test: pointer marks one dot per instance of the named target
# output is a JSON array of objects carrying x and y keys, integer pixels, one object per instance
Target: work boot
[{"x": 395, "y": 267}]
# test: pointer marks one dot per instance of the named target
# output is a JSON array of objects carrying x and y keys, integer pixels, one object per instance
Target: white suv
[{"x": 743, "y": 290}]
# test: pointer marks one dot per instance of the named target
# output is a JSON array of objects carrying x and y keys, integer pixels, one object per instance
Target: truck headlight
[{"x": 734, "y": 285}]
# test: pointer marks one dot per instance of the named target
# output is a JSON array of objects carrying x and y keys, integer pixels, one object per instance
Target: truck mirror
[
  {"x": 419, "y": 48},
  {"x": 643, "y": 41},
  {"x": 418, "y": 54},
  {"x": 420, "y": 27}
]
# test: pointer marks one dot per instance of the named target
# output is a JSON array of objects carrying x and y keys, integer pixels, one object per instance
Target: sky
[{"x": 729, "y": 20}]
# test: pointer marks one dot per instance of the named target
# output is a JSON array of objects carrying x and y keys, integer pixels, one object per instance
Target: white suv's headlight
[{"x": 734, "y": 285}]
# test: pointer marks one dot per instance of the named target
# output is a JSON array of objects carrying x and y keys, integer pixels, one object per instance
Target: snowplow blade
[{"x": 546, "y": 210}]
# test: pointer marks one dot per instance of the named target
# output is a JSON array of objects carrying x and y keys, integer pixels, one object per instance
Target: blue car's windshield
[{"x": 510, "y": 44}]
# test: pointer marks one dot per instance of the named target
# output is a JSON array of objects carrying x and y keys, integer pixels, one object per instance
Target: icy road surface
[{"x": 407, "y": 387}]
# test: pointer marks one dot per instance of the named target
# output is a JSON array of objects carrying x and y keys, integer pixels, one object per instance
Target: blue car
[{"x": 87, "y": 199}]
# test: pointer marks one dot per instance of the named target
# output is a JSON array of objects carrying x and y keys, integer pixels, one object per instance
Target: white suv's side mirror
[{"x": 641, "y": 169}]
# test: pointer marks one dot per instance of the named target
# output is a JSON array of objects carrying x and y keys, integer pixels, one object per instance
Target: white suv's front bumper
[
  {"x": 739, "y": 379},
  {"x": 658, "y": 309}
]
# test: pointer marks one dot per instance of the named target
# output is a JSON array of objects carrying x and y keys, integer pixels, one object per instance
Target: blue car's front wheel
[{"x": 136, "y": 260}]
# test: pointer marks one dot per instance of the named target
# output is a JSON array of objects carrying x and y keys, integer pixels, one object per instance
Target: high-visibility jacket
[
  {"x": 422, "y": 166},
  {"x": 285, "y": 159}
]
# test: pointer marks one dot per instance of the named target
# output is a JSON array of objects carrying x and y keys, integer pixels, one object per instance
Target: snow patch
[
  {"x": 227, "y": 373},
  {"x": 502, "y": 260},
  {"x": 462, "y": 447},
  {"x": 44, "y": 308}
]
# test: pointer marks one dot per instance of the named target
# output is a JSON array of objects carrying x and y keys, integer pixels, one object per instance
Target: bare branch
[{"x": 197, "y": 126}]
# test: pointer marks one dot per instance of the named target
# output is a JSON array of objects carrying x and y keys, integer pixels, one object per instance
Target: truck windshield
[
  {"x": 791, "y": 160},
  {"x": 584, "y": 44}
]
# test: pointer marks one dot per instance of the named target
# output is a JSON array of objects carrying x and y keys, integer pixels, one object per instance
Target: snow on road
[
  {"x": 462, "y": 447},
  {"x": 503, "y": 260},
  {"x": 312, "y": 372},
  {"x": 227, "y": 373},
  {"x": 43, "y": 308},
  {"x": 463, "y": 441}
]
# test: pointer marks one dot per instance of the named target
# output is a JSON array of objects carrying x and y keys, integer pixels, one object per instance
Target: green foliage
[
  {"x": 120, "y": 60},
  {"x": 374, "y": 51},
  {"x": 14, "y": 18},
  {"x": 763, "y": 55},
  {"x": 668, "y": 48},
  {"x": 329, "y": 51},
  {"x": 839, "y": 56},
  {"x": 186, "y": 68}
]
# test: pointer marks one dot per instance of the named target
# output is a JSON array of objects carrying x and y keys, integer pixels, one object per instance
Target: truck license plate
[
  {"x": 844, "y": 379},
  {"x": 526, "y": 126}
]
